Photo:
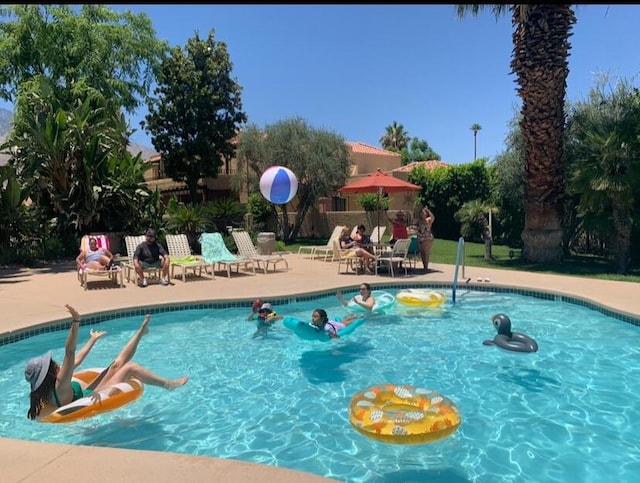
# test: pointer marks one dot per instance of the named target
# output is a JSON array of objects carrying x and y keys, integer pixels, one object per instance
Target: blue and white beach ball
[{"x": 278, "y": 185}]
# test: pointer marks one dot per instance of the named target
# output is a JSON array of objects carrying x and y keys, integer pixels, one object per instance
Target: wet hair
[
  {"x": 40, "y": 396},
  {"x": 324, "y": 318},
  {"x": 367, "y": 286}
]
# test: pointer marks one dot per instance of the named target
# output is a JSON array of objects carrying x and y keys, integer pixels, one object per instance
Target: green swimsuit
[{"x": 77, "y": 392}]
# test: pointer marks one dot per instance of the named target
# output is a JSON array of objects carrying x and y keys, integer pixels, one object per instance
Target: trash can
[{"x": 266, "y": 243}]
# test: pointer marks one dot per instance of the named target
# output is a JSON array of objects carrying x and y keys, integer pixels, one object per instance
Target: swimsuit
[{"x": 77, "y": 392}]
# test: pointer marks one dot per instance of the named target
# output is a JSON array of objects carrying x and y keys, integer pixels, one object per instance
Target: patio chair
[
  {"x": 132, "y": 242},
  {"x": 181, "y": 256},
  {"x": 413, "y": 255},
  {"x": 247, "y": 249},
  {"x": 377, "y": 234},
  {"x": 325, "y": 249},
  {"x": 397, "y": 255},
  {"x": 114, "y": 274},
  {"x": 216, "y": 253},
  {"x": 348, "y": 257}
]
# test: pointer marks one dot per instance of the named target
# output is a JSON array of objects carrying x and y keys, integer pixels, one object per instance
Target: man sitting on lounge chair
[
  {"x": 150, "y": 254},
  {"x": 94, "y": 258}
]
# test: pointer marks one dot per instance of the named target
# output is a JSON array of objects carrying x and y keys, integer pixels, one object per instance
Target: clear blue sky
[{"x": 355, "y": 69}]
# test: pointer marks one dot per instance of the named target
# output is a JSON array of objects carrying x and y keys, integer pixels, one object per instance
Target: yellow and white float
[
  {"x": 420, "y": 298},
  {"x": 102, "y": 401},
  {"x": 403, "y": 414}
]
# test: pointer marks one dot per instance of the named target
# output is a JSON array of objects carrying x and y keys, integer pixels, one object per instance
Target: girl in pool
[
  {"x": 52, "y": 387},
  {"x": 320, "y": 321},
  {"x": 364, "y": 299}
]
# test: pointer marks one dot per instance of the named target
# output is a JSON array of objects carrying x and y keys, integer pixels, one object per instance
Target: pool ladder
[{"x": 459, "y": 257}]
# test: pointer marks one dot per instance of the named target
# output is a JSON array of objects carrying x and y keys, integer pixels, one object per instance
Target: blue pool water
[{"x": 568, "y": 413}]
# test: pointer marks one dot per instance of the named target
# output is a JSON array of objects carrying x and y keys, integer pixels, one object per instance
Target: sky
[{"x": 355, "y": 69}]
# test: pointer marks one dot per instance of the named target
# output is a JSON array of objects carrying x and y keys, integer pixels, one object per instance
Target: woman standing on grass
[{"x": 425, "y": 236}]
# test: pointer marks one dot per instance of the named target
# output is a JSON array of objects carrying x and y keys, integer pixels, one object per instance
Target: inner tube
[
  {"x": 307, "y": 331},
  {"x": 110, "y": 398},
  {"x": 420, "y": 298},
  {"x": 403, "y": 414},
  {"x": 384, "y": 301},
  {"x": 511, "y": 341}
]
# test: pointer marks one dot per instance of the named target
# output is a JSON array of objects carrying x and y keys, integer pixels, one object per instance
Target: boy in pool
[{"x": 265, "y": 317}]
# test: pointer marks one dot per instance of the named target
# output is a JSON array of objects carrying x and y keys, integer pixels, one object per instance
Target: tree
[
  {"x": 115, "y": 53},
  {"x": 318, "y": 158},
  {"x": 395, "y": 137},
  {"x": 195, "y": 119},
  {"x": 473, "y": 217},
  {"x": 540, "y": 52},
  {"x": 419, "y": 150},
  {"x": 475, "y": 127},
  {"x": 605, "y": 175}
]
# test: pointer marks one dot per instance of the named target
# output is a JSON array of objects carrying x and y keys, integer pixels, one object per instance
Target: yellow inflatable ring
[
  {"x": 110, "y": 398},
  {"x": 420, "y": 298},
  {"x": 403, "y": 414}
]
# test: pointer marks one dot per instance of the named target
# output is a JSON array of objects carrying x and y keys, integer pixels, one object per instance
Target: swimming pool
[{"x": 566, "y": 413}]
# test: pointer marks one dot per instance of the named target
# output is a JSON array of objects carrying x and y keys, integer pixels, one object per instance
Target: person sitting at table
[
  {"x": 399, "y": 227},
  {"x": 354, "y": 248}
]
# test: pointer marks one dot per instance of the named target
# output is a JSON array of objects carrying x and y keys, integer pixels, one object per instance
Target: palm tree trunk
[{"x": 622, "y": 236}]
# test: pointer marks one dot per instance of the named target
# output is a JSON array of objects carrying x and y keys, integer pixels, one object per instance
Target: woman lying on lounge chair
[{"x": 95, "y": 258}]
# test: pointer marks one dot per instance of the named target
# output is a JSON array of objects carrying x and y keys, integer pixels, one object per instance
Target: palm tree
[
  {"x": 473, "y": 218},
  {"x": 475, "y": 127},
  {"x": 540, "y": 52},
  {"x": 395, "y": 137}
]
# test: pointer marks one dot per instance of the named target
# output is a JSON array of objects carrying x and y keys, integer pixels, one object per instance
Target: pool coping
[{"x": 34, "y": 301}]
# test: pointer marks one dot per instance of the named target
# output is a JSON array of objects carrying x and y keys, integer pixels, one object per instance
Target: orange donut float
[{"x": 403, "y": 414}]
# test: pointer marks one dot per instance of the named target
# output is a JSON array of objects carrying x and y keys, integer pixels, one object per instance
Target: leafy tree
[
  {"x": 115, "y": 53},
  {"x": 473, "y": 217},
  {"x": 318, "y": 158},
  {"x": 540, "y": 53},
  {"x": 605, "y": 148},
  {"x": 419, "y": 150},
  {"x": 195, "y": 119},
  {"x": 395, "y": 137},
  {"x": 475, "y": 127}
]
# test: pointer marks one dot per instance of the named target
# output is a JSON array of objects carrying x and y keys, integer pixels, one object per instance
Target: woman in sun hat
[
  {"x": 399, "y": 226},
  {"x": 52, "y": 387}
]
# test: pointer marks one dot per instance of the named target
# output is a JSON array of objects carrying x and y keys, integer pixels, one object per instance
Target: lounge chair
[
  {"x": 348, "y": 257},
  {"x": 215, "y": 252},
  {"x": 397, "y": 256},
  {"x": 132, "y": 242},
  {"x": 181, "y": 256},
  {"x": 377, "y": 234},
  {"x": 114, "y": 274},
  {"x": 323, "y": 249},
  {"x": 247, "y": 249}
]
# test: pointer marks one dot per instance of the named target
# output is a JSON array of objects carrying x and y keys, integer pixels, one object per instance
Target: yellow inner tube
[
  {"x": 403, "y": 414},
  {"x": 420, "y": 298}
]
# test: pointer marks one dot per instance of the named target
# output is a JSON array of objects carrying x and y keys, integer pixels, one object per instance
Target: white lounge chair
[
  {"x": 327, "y": 249},
  {"x": 115, "y": 274},
  {"x": 216, "y": 253},
  {"x": 181, "y": 256},
  {"x": 247, "y": 249}
]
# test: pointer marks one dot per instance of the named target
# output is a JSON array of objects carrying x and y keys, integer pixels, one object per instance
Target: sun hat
[
  {"x": 150, "y": 232},
  {"x": 36, "y": 370},
  {"x": 265, "y": 306}
]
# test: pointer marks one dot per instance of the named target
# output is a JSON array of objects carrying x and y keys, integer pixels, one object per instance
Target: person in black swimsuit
[{"x": 51, "y": 385}]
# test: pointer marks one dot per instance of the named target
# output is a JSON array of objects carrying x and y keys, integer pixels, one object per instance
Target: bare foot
[
  {"x": 171, "y": 385},
  {"x": 145, "y": 324}
]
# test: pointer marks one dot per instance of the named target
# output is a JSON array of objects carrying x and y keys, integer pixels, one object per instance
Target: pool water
[{"x": 568, "y": 413}]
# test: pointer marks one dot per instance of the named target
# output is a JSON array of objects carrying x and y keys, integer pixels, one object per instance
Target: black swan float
[{"x": 512, "y": 341}]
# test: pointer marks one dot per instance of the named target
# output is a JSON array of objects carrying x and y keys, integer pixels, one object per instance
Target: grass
[{"x": 444, "y": 251}]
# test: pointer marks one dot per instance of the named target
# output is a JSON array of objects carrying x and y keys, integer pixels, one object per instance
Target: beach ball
[{"x": 278, "y": 185}]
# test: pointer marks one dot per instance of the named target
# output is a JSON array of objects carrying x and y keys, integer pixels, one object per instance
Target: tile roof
[
  {"x": 362, "y": 148},
  {"x": 429, "y": 165}
]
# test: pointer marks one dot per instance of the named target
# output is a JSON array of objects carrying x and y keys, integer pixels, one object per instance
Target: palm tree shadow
[{"x": 326, "y": 365}]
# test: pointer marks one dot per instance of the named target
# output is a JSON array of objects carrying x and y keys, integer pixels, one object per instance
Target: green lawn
[{"x": 444, "y": 251}]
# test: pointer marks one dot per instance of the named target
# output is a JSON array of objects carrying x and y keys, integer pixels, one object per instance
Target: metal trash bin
[{"x": 266, "y": 243}]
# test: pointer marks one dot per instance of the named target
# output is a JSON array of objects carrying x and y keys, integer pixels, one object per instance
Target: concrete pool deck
[{"x": 33, "y": 297}]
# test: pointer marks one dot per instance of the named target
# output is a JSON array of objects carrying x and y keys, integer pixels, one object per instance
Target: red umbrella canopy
[{"x": 379, "y": 181}]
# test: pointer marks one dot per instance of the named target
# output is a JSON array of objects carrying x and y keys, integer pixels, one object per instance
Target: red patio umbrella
[{"x": 379, "y": 182}]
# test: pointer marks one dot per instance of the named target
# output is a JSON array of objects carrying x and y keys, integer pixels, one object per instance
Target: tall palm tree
[
  {"x": 395, "y": 137},
  {"x": 540, "y": 52},
  {"x": 475, "y": 127}
]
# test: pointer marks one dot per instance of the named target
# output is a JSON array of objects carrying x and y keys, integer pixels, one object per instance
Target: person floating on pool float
[
  {"x": 364, "y": 299},
  {"x": 320, "y": 320},
  {"x": 265, "y": 316},
  {"x": 52, "y": 387},
  {"x": 505, "y": 339}
]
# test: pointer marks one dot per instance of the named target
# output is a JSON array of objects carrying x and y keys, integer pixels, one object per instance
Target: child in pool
[
  {"x": 320, "y": 321},
  {"x": 265, "y": 316}
]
